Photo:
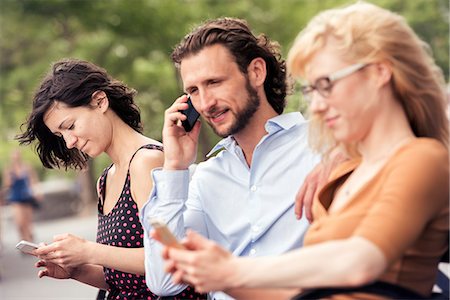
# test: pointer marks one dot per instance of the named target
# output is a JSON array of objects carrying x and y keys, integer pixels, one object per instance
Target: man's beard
[{"x": 242, "y": 118}]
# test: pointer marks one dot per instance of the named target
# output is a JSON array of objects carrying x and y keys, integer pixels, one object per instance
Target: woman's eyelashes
[{"x": 60, "y": 135}]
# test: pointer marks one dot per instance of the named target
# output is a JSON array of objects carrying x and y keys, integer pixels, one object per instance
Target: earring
[{"x": 100, "y": 100}]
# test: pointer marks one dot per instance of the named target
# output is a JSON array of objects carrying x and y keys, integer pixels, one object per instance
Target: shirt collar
[
  {"x": 225, "y": 143},
  {"x": 273, "y": 125},
  {"x": 284, "y": 121}
]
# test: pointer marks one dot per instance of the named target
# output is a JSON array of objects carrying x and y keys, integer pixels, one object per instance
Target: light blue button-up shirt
[{"x": 247, "y": 210}]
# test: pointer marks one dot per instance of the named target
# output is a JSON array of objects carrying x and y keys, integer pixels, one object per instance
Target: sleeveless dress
[{"x": 121, "y": 228}]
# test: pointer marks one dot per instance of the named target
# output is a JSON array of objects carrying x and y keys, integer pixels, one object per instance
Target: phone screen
[{"x": 191, "y": 114}]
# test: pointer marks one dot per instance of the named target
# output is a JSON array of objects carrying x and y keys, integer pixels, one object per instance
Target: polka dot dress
[{"x": 121, "y": 228}]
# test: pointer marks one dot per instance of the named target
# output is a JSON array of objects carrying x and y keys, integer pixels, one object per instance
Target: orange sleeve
[{"x": 415, "y": 191}]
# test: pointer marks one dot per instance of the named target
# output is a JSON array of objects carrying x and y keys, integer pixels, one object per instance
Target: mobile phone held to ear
[
  {"x": 165, "y": 236},
  {"x": 26, "y": 247},
  {"x": 191, "y": 114}
]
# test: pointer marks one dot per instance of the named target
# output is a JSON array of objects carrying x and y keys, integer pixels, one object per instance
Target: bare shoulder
[
  {"x": 141, "y": 168},
  {"x": 145, "y": 160}
]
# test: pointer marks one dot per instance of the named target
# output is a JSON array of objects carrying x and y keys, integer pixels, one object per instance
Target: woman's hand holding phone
[{"x": 53, "y": 270}]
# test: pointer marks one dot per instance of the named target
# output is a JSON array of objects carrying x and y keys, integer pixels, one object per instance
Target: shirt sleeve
[
  {"x": 167, "y": 203},
  {"x": 194, "y": 215},
  {"x": 415, "y": 191}
]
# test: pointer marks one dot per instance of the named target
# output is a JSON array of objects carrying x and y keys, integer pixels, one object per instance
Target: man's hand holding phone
[
  {"x": 191, "y": 114},
  {"x": 180, "y": 145}
]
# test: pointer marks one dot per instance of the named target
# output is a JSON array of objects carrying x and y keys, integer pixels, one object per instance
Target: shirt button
[
  {"x": 252, "y": 251},
  {"x": 253, "y": 188}
]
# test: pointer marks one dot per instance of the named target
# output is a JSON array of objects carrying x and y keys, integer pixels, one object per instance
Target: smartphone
[
  {"x": 166, "y": 237},
  {"x": 26, "y": 247},
  {"x": 191, "y": 114}
]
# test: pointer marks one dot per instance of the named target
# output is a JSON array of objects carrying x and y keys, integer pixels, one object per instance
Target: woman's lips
[
  {"x": 82, "y": 148},
  {"x": 331, "y": 121}
]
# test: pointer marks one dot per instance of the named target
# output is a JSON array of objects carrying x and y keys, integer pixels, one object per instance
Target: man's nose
[{"x": 206, "y": 101}]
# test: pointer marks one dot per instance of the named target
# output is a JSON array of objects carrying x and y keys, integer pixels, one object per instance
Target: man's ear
[
  {"x": 257, "y": 72},
  {"x": 100, "y": 100}
]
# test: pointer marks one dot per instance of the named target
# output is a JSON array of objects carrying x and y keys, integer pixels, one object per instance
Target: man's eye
[{"x": 71, "y": 127}]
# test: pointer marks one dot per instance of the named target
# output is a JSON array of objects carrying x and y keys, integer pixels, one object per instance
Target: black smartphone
[{"x": 191, "y": 114}]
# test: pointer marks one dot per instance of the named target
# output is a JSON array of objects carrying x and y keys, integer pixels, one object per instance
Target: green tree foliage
[{"x": 133, "y": 40}]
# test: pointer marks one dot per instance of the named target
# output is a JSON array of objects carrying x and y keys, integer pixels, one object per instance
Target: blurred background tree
[{"x": 133, "y": 40}]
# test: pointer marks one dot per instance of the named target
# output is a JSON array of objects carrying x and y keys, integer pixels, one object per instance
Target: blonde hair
[{"x": 367, "y": 33}]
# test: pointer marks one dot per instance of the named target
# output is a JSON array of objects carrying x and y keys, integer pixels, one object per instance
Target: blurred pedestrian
[{"x": 19, "y": 179}]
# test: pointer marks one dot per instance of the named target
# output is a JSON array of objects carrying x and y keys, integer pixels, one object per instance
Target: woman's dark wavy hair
[
  {"x": 73, "y": 82},
  {"x": 236, "y": 36}
]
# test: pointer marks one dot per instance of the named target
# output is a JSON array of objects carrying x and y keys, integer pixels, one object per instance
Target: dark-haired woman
[{"x": 78, "y": 112}]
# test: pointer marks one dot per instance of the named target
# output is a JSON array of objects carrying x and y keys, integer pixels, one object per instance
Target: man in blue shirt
[{"x": 242, "y": 198}]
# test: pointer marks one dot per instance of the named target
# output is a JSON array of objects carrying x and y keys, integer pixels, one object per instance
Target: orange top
[{"x": 403, "y": 210}]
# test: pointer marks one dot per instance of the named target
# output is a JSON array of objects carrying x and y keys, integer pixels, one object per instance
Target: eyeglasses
[{"x": 324, "y": 85}]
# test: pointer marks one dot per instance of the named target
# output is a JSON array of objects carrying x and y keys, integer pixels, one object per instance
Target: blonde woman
[{"x": 375, "y": 91}]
